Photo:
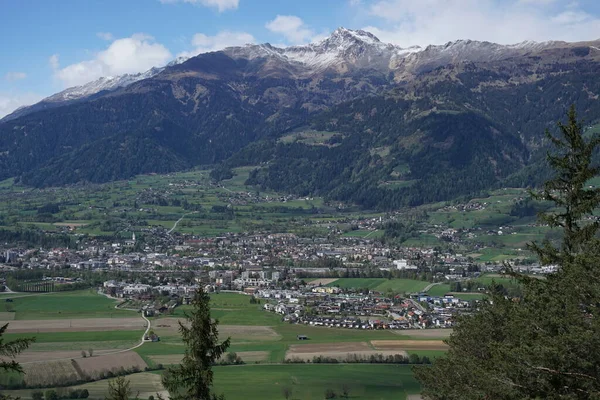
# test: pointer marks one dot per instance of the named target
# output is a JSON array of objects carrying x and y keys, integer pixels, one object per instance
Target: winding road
[
  {"x": 179, "y": 220},
  {"x": 142, "y": 340}
]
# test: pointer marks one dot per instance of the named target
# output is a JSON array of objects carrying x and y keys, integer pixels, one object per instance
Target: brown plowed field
[
  {"x": 94, "y": 366},
  {"x": 41, "y": 356},
  {"x": 50, "y": 373},
  {"x": 409, "y": 345},
  {"x": 76, "y": 325}
]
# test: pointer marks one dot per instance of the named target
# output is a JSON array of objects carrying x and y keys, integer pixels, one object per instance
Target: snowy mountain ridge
[{"x": 343, "y": 48}]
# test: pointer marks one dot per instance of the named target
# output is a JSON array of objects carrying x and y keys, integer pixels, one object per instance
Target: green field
[
  {"x": 363, "y": 381},
  {"x": 65, "y": 305},
  {"x": 381, "y": 284},
  {"x": 311, "y": 381},
  {"x": 235, "y": 309},
  {"x": 72, "y": 337}
]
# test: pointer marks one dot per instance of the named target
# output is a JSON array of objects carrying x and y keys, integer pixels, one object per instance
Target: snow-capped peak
[
  {"x": 105, "y": 83},
  {"x": 109, "y": 83}
]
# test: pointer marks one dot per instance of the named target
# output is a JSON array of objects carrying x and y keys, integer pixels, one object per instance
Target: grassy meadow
[
  {"x": 66, "y": 305},
  {"x": 381, "y": 284}
]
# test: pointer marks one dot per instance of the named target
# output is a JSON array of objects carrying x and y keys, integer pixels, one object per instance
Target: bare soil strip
[
  {"x": 409, "y": 345},
  {"x": 41, "y": 356},
  {"x": 76, "y": 325}
]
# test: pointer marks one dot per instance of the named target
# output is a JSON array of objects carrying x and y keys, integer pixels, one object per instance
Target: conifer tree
[
  {"x": 193, "y": 378},
  {"x": 10, "y": 349},
  {"x": 544, "y": 344}
]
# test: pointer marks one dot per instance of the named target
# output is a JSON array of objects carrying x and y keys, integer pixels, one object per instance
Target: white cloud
[
  {"x": 538, "y": 2},
  {"x": 105, "y": 36},
  {"x": 203, "y": 43},
  {"x": 292, "y": 28},
  {"x": 571, "y": 18},
  {"x": 10, "y": 101},
  {"x": 53, "y": 61},
  {"x": 408, "y": 22},
  {"x": 15, "y": 76},
  {"x": 134, "y": 54},
  {"x": 221, "y": 5}
]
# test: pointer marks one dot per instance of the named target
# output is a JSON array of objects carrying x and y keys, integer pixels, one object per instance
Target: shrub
[{"x": 51, "y": 395}]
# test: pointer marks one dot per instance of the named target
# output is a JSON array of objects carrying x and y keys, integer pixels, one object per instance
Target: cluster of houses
[{"x": 345, "y": 310}]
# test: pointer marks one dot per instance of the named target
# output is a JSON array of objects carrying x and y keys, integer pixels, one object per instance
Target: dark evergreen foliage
[
  {"x": 545, "y": 343},
  {"x": 193, "y": 378}
]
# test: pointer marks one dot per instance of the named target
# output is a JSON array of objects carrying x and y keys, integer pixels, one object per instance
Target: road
[
  {"x": 179, "y": 220},
  {"x": 370, "y": 233},
  {"x": 426, "y": 289},
  {"x": 142, "y": 340}
]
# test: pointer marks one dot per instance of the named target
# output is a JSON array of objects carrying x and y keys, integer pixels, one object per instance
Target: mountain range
[{"x": 350, "y": 118}]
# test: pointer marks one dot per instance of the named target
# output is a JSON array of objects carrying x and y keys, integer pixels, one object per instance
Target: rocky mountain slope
[{"x": 349, "y": 117}]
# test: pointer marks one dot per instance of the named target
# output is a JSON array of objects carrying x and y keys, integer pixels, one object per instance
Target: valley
[{"x": 340, "y": 210}]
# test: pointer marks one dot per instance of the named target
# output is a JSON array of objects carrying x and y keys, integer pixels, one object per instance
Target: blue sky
[{"x": 49, "y": 45}]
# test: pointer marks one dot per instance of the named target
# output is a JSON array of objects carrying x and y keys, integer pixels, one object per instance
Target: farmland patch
[
  {"x": 409, "y": 345},
  {"x": 95, "y": 366},
  {"x": 246, "y": 356},
  {"x": 170, "y": 326},
  {"x": 76, "y": 325}
]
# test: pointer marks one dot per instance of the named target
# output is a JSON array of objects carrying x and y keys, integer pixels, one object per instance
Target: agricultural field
[
  {"x": 120, "y": 208},
  {"x": 65, "y": 305},
  {"x": 309, "y": 137},
  {"x": 311, "y": 381},
  {"x": 257, "y": 336},
  {"x": 363, "y": 381},
  {"x": 69, "y": 328}
]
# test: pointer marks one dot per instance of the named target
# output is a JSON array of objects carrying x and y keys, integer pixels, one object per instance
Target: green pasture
[
  {"x": 311, "y": 381},
  {"x": 381, "y": 284},
  {"x": 254, "y": 382},
  {"x": 65, "y": 305},
  {"x": 73, "y": 337}
]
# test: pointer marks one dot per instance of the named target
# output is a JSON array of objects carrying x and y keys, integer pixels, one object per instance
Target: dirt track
[{"x": 76, "y": 325}]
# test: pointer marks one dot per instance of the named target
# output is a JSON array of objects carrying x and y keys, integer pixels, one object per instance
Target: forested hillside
[{"x": 349, "y": 118}]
